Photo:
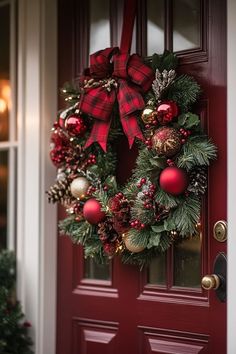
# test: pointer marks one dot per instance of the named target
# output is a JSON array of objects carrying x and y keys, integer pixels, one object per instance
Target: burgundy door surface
[{"x": 163, "y": 309}]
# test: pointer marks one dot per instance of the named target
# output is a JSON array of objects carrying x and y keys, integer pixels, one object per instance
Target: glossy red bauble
[
  {"x": 173, "y": 180},
  {"x": 75, "y": 125},
  {"x": 167, "y": 111},
  {"x": 92, "y": 211}
]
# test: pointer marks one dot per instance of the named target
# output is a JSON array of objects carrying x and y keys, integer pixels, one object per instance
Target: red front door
[{"x": 163, "y": 309}]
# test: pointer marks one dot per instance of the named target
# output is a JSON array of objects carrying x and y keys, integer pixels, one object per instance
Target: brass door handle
[
  {"x": 210, "y": 282},
  {"x": 217, "y": 280}
]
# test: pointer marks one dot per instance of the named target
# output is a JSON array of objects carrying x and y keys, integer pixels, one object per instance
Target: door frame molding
[
  {"x": 36, "y": 226},
  {"x": 37, "y": 230},
  {"x": 231, "y": 171}
]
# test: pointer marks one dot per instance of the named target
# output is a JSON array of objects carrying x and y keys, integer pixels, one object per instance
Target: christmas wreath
[{"x": 161, "y": 202}]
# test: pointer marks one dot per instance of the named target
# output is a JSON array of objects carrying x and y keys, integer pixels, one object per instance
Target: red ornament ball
[
  {"x": 173, "y": 180},
  {"x": 166, "y": 141},
  {"x": 166, "y": 112},
  {"x": 92, "y": 211},
  {"x": 75, "y": 125}
]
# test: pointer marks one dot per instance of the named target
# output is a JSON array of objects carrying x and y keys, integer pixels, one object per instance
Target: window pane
[
  {"x": 92, "y": 270},
  {"x": 4, "y": 71},
  {"x": 186, "y": 24},
  {"x": 100, "y": 25},
  {"x": 155, "y": 26},
  {"x": 187, "y": 262},
  {"x": 157, "y": 270},
  {"x": 3, "y": 197}
]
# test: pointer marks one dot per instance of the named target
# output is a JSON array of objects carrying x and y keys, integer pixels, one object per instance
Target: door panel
[{"x": 163, "y": 309}]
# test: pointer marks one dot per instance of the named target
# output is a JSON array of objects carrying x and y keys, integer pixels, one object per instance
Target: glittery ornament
[
  {"x": 129, "y": 244},
  {"x": 166, "y": 112},
  {"x": 75, "y": 125},
  {"x": 173, "y": 180},
  {"x": 92, "y": 211},
  {"x": 166, "y": 141},
  {"x": 148, "y": 115},
  {"x": 79, "y": 187}
]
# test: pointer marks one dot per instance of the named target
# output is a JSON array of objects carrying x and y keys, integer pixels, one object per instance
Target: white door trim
[
  {"x": 37, "y": 230},
  {"x": 231, "y": 109}
]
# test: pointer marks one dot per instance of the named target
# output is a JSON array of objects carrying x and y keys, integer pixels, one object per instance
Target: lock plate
[{"x": 220, "y": 231}]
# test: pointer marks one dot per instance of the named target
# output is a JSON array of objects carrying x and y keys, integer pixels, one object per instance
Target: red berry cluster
[
  {"x": 115, "y": 202},
  {"x": 91, "y": 190},
  {"x": 91, "y": 159},
  {"x": 149, "y": 197},
  {"x": 148, "y": 143},
  {"x": 185, "y": 134},
  {"x": 142, "y": 182},
  {"x": 136, "y": 224},
  {"x": 59, "y": 145},
  {"x": 170, "y": 162},
  {"x": 109, "y": 248}
]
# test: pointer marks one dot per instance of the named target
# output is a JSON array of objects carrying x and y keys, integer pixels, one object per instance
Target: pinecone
[
  {"x": 60, "y": 192},
  {"x": 106, "y": 232},
  {"x": 120, "y": 208},
  {"x": 161, "y": 212},
  {"x": 198, "y": 180}
]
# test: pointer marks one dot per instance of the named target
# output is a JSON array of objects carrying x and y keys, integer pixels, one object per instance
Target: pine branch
[
  {"x": 186, "y": 215},
  {"x": 140, "y": 237},
  {"x": 145, "y": 216},
  {"x": 165, "y": 242},
  {"x": 166, "y": 61},
  {"x": 103, "y": 198},
  {"x": 198, "y": 150},
  {"x": 166, "y": 199},
  {"x": 79, "y": 232},
  {"x": 105, "y": 165},
  {"x": 93, "y": 248},
  {"x": 145, "y": 163},
  {"x": 184, "y": 91}
]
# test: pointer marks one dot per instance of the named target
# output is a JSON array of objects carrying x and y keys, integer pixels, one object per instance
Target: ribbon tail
[
  {"x": 131, "y": 129},
  {"x": 99, "y": 134}
]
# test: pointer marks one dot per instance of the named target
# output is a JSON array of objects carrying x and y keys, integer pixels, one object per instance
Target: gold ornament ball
[
  {"x": 130, "y": 245},
  {"x": 79, "y": 187},
  {"x": 147, "y": 115}
]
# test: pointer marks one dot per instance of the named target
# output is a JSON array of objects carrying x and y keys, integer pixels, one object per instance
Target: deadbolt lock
[{"x": 220, "y": 231}]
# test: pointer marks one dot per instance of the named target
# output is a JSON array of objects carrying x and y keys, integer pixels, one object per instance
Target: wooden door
[{"x": 163, "y": 309}]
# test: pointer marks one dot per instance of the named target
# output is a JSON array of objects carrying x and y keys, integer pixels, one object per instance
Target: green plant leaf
[{"x": 188, "y": 120}]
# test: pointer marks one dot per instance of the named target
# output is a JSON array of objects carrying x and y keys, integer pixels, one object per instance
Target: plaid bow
[{"x": 132, "y": 78}]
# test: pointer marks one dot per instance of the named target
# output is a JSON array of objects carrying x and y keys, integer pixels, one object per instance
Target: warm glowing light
[
  {"x": 6, "y": 92},
  {"x": 5, "y": 95},
  {"x": 3, "y": 105}
]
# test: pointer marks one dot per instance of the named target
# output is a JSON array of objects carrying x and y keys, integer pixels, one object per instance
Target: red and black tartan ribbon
[{"x": 133, "y": 78}]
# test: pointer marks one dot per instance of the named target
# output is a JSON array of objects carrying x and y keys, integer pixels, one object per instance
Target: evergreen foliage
[
  {"x": 153, "y": 214},
  {"x": 198, "y": 150},
  {"x": 14, "y": 338}
]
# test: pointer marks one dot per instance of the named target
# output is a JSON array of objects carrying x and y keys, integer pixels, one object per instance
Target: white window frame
[
  {"x": 11, "y": 146},
  {"x": 37, "y": 97}
]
